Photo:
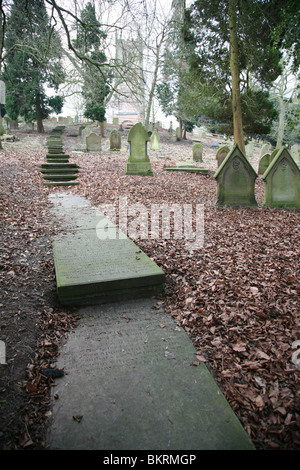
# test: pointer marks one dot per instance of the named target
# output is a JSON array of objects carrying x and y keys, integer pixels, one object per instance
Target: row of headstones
[
  {"x": 58, "y": 171},
  {"x": 92, "y": 139},
  {"x": 236, "y": 180},
  {"x": 235, "y": 176}
]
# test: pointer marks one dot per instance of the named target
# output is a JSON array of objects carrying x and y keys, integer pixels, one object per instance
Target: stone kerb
[
  {"x": 282, "y": 182},
  {"x": 236, "y": 180},
  {"x": 138, "y": 162}
]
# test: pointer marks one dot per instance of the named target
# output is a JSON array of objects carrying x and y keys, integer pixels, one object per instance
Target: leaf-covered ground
[{"x": 237, "y": 297}]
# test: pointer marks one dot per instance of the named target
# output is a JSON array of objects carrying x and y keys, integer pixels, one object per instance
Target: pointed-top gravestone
[
  {"x": 115, "y": 140},
  {"x": 236, "y": 180},
  {"x": 138, "y": 161},
  {"x": 282, "y": 181}
]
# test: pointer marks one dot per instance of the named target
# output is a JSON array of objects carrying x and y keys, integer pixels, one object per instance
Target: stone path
[{"x": 130, "y": 382}]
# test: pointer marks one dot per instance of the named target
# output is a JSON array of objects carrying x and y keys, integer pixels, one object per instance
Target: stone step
[
  {"x": 59, "y": 165},
  {"x": 57, "y": 150},
  {"x": 61, "y": 171},
  {"x": 57, "y": 155},
  {"x": 55, "y": 160},
  {"x": 60, "y": 183},
  {"x": 60, "y": 177}
]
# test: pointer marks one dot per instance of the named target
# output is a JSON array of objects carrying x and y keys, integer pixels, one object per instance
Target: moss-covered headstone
[
  {"x": 197, "y": 152},
  {"x": 236, "y": 180},
  {"x": 264, "y": 162},
  {"x": 282, "y": 181},
  {"x": 138, "y": 161}
]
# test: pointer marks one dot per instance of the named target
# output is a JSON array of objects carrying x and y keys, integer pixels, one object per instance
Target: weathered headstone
[
  {"x": 197, "y": 152},
  {"x": 93, "y": 142},
  {"x": 89, "y": 130},
  {"x": 264, "y": 162},
  {"x": 249, "y": 149},
  {"x": 115, "y": 140},
  {"x": 273, "y": 154},
  {"x": 222, "y": 154},
  {"x": 295, "y": 153},
  {"x": 265, "y": 149},
  {"x": 236, "y": 180},
  {"x": 138, "y": 161},
  {"x": 154, "y": 140},
  {"x": 282, "y": 181}
]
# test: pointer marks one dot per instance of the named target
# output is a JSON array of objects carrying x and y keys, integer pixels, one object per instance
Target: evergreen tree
[
  {"x": 33, "y": 63},
  {"x": 96, "y": 83},
  {"x": 233, "y": 49}
]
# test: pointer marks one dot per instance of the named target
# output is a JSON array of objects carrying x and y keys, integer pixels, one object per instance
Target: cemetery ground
[{"x": 237, "y": 297}]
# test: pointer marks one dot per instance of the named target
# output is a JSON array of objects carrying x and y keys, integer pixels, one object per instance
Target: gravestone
[
  {"x": 115, "y": 140},
  {"x": 236, "y": 180},
  {"x": 295, "y": 153},
  {"x": 154, "y": 139},
  {"x": 89, "y": 130},
  {"x": 273, "y": 154},
  {"x": 222, "y": 154},
  {"x": 197, "y": 152},
  {"x": 249, "y": 149},
  {"x": 265, "y": 149},
  {"x": 264, "y": 162},
  {"x": 282, "y": 181},
  {"x": 138, "y": 161},
  {"x": 93, "y": 142}
]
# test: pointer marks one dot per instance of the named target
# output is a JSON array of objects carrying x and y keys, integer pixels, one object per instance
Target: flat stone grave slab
[
  {"x": 189, "y": 169},
  {"x": 95, "y": 262},
  {"x": 91, "y": 270},
  {"x": 130, "y": 384}
]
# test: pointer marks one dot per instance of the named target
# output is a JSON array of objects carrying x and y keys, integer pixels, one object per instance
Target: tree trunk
[
  {"x": 40, "y": 125},
  {"x": 235, "y": 77}
]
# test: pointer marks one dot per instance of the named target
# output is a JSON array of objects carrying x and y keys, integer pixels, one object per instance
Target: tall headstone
[
  {"x": 93, "y": 142},
  {"x": 197, "y": 152},
  {"x": 115, "y": 140},
  {"x": 282, "y": 181},
  {"x": 138, "y": 161},
  {"x": 236, "y": 180},
  {"x": 154, "y": 139}
]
